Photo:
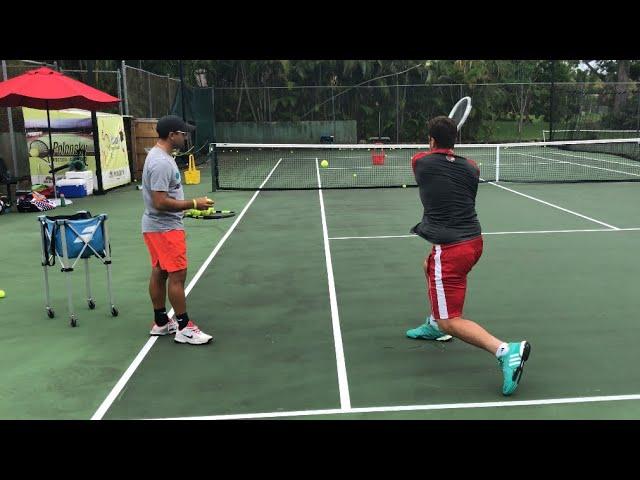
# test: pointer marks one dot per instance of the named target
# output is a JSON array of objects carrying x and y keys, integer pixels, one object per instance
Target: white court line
[
  {"x": 343, "y": 384},
  {"x": 115, "y": 391},
  {"x": 381, "y": 236},
  {"x": 553, "y": 205},
  {"x": 577, "y": 164},
  {"x": 519, "y": 232},
  {"x": 629, "y": 163},
  {"x": 404, "y": 167},
  {"x": 524, "y": 232},
  {"x": 413, "y": 408}
]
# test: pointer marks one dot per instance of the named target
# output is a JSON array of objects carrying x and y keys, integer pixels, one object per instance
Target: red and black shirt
[{"x": 448, "y": 186}]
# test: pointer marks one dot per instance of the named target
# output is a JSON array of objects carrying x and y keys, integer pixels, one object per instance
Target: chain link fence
[
  {"x": 146, "y": 94},
  {"x": 502, "y": 112}
]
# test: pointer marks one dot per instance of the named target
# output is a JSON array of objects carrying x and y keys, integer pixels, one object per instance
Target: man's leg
[
  {"x": 470, "y": 332},
  {"x": 175, "y": 257},
  {"x": 446, "y": 271},
  {"x": 158, "y": 287},
  {"x": 511, "y": 356},
  {"x": 428, "y": 330},
  {"x": 162, "y": 325},
  {"x": 176, "y": 292},
  {"x": 187, "y": 332}
]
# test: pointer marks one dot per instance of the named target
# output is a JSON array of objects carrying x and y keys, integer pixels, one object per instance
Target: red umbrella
[{"x": 46, "y": 89}]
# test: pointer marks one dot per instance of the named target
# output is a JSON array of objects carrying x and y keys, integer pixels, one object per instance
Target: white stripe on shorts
[{"x": 442, "y": 301}]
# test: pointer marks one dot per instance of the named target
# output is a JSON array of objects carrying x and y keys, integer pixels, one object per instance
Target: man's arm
[
  {"x": 159, "y": 181},
  {"x": 163, "y": 202}
]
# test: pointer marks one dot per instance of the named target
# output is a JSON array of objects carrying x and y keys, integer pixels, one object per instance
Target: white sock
[
  {"x": 502, "y": 349},
  {"x": 433, "y": 322}
]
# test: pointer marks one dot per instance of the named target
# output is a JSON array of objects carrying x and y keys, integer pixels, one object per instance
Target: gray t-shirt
[{"x": 161, "y": 174}]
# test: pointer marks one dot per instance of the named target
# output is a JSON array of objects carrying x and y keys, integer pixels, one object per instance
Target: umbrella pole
[{"x": 55, "y": 193}]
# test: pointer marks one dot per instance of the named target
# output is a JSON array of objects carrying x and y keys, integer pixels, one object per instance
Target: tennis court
[{"x": 308, "y": 294}]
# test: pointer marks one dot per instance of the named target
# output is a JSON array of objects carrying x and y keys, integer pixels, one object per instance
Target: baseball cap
[{"x": 172, "y": 123}]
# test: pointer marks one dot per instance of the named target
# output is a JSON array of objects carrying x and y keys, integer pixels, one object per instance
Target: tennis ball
[
  {"x": 404, "y": 186},
  {"x": 2, "y": 294},
  {"x": 324, "y": 164},
  {"x": 34, "y": 152},
  {"x": 355, "y": 174}
]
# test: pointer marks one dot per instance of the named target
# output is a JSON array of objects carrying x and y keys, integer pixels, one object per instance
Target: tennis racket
[
  {"x": 209, "y": 214},
  {"x": 460, "y": 111}
]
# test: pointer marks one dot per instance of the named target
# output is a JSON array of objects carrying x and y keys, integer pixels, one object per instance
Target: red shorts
[
  {"x": 446, "y": 269},
  {"x": 168, "y": 249}
]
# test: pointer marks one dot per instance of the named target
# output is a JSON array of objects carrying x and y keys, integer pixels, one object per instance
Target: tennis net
[
  {"x": 299, "y": 166},
  {"x": 568, "y": 135}
]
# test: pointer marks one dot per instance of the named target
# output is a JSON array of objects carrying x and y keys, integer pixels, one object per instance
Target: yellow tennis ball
[
  {"x": 404, "y": 186},
  {"x": 355, "y": 174},
  {"x": 324, "y": 164},
  {"x": 2, "y": 294},
  {"x": 34, "y": 152}
]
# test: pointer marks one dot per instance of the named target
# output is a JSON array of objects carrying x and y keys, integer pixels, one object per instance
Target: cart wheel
[
  {"x": 114, "y": 311},
  {"x": 92, "y": 304},
  {"x": 50, "y": 313},
  {"x": 74, "y": 322}
]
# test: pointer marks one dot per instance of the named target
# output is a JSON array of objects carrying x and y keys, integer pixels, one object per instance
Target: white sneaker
[
  {"x": 168, "y": 329},
  {"x": 191, "y": 334}
]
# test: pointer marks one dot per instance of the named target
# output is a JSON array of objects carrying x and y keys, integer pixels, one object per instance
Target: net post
[
  {"x": 150, "y": 101},
  {"x": 215, "y": 184},
  {"x": 551, "y": 99},
  {"x": 119, "y": 80},
  {"x": 124, "y": 87},
  {"x": 497, "y": 163}
]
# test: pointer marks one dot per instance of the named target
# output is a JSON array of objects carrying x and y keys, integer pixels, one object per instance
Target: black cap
[{"x": 172, "y": 123}]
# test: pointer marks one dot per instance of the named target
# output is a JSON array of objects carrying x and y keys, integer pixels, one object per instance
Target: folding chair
[{"x": 69, "y": 237}]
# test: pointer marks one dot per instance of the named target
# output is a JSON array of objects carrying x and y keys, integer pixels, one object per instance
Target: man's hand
[{"x": 204, "y": 203}]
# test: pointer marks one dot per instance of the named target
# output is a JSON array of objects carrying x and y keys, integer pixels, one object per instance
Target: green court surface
[{"x": 310, "y": 324}]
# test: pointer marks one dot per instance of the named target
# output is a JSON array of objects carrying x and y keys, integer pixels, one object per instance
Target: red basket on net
[{"x": 377, "y": 155}]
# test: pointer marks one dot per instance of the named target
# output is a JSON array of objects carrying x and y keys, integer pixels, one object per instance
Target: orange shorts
[{"x": 167, "y": 249}]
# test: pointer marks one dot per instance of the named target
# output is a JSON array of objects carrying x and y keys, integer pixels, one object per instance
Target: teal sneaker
[
  {"x": 427, "y": 332},
  {"x": 512, "y": 364}
]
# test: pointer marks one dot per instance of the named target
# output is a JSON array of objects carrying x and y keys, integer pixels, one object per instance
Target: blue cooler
[{"x": 72, "y": 187}]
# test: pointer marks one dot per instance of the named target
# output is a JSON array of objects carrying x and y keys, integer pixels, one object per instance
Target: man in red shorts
[
  {"x": 163, "y": 232},
  {"x": 448, "y": 186}
]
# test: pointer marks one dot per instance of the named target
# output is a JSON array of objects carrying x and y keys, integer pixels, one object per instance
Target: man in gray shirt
[{"x": 163, "y": 231}]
